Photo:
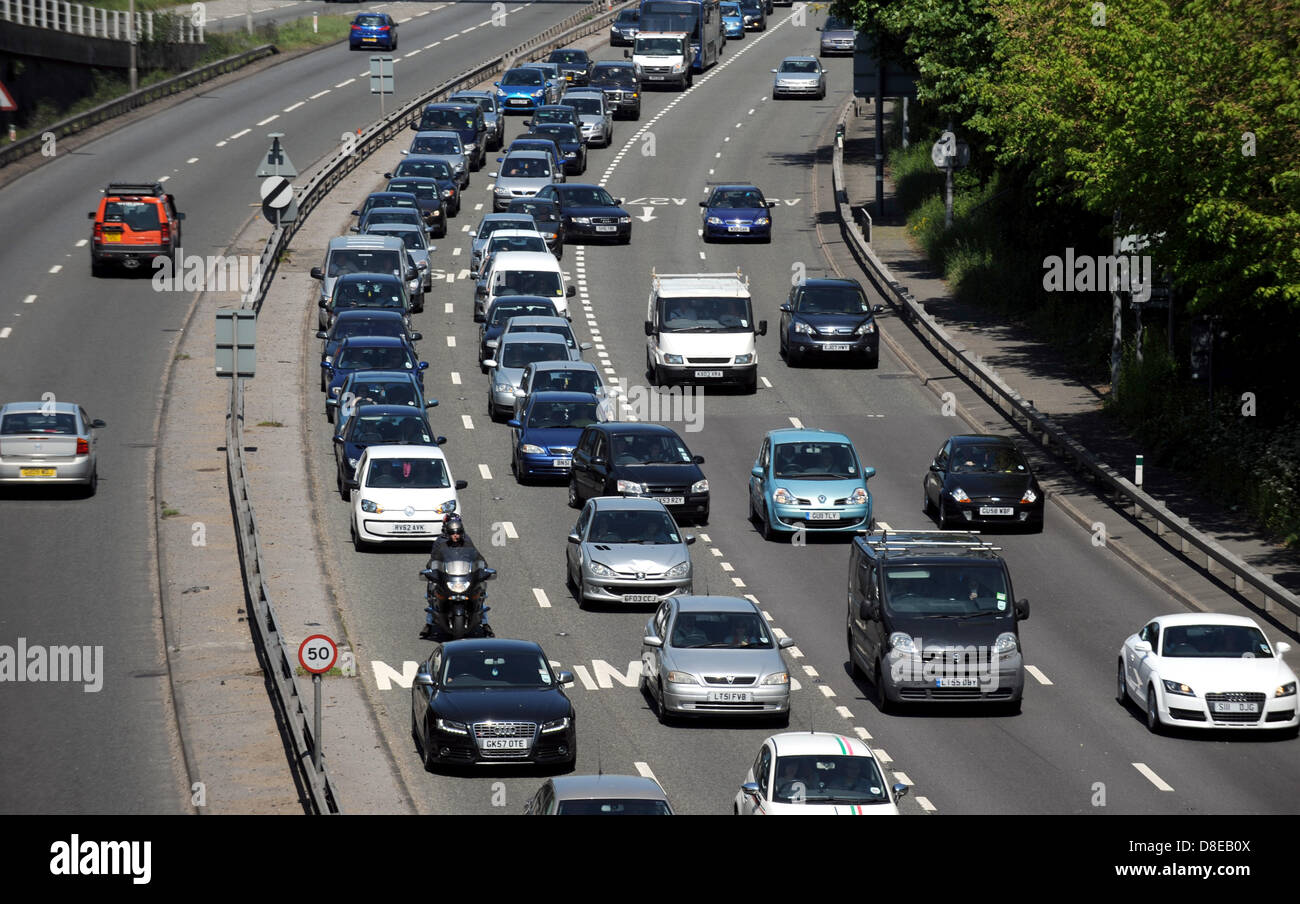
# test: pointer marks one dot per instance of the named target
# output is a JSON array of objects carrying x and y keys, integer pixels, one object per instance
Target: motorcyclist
[{"x": 453, "y": 537}]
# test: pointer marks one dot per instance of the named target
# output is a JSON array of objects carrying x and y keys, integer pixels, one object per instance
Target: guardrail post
[
  {"x": 148, "y": 25},
  {"x": 45, "y": 16}
]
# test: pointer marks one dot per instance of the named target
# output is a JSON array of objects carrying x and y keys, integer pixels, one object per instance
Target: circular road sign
[
  {"x": 317, "y": 654},
  {"x": 277, "y": 191}
]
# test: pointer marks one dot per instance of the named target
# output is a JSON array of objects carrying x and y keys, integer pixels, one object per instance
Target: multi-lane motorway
[{"x": 85, "y": 567}]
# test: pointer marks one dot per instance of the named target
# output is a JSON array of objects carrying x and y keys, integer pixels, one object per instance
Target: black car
[
  {"x": 362, "y": 322},
  {"x": 574, "y": 64},
  {"x": 754, "y": 14},
  {"x": 624, "y": 458},
  {"x": 369, "y": 292},
  {"x": 428, "y": 192},
  {"x": 374, "y": 425},
  {"x": 981, "y": 479},
  {"x": 467, "y": 119},
  {"x": 573, "y": 146},
  {"x": 436, "y": 168},
  {"x": 553, "y": 113},
  {"x": 492, "y": 701},
  {"x": 547, "y": 217},
  {"x": 832, "y": 318},
  {"x": 600, "y": 214},
  {"x": 623, "y": 30},
  {"x": 494, "y": 322},
  {"x": 387, "y": 199},
  {"x": 618, "y": 79}
]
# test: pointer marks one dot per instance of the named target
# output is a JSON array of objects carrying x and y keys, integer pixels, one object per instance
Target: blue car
[
  {"x": 362, "y": 322},
  {"x": 546, "y": 432},
  {"x": 421, "y": 166},
  {"x": 521, "y": 90},
  {"x": 373, "y": 30},
  {"x": 733, "y": 21},
  {"x": 371, "y": 353},
  {"x": 736, "y": 211},
  {"x": 809, "y": 480},
  {"x": 373, "y": 425},
  {"x": 376, "y": 387}
]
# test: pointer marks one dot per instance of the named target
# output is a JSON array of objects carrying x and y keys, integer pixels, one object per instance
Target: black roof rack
[
  {"x": 918, "y": 540},
  {"x": 149, "y": 189}
]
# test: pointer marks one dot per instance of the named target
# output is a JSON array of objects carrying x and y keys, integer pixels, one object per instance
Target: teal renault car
[{"x": 811, "y": 480}]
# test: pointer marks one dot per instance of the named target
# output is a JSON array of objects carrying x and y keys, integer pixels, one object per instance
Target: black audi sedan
[
  {"x": 981, "y": 479},
  {"x": 490, "y": 700},
  {"x": 635, "y": 458},
  {"x": 589, "y": 212}
]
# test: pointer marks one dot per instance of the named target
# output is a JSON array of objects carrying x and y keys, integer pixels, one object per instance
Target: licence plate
[
  {"x": 656, "y": 78},
  {"x": 112, "y": 237},
  {"x": 409, "y": 528},
  {"x": 730, "y": 697},
  {"x": 564, "y": 462},
  {"x": 837, "y": 347},
  {"x": 607, "y": 229},
  {"x": 671, "y": 500},
  {"x": 956, "y": 682},
  {"x": 505, "y": 743},
  {"x": 1235, "y": 707},
  {"x": 823, "y": 516},
  {"x": 370, "y": 39},
  {"x": 705, "y": 374},
  {"x": 737, "y": 229},
  {"x": 37, "y": 472},
  {"x": 518, "y": 100},
  {"x": 995, "y": 510},
  {"x": 640, "y": 598}
]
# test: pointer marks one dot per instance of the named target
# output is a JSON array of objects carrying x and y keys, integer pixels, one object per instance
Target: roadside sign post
[
  {"x": 381, "y": 78},
  {"x": 317, "y": 654},
  {"x": 948, "y": 154},
  {"x": 277, "y": 172},
  {"x": 236, "y": 343}
]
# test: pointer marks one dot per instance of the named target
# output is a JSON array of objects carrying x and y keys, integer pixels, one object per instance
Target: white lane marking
[
  {"x": 466, "y": 31},
  {"x": 463, "y": 274},
  {"x": 844, "y": 712},
  {"x": 447, "y": 308},
  {"x": 479, "y": 206},
  {"x": 738, "y": 582},
  {"x": 455, "y": 252},
  {"x": 239, "y": 134},
  {"x": 1156, "y": 780},
  {"x": 348, "y": 82},
  {"x": 768, "y": 615},
  {"x": 221, "y": 144},
  {"x": 902, "y": 777},
  {"x": 455, "y": 378},
  {"x": 926, "y": 805},
  {"x": 1033, "y": 670},
  {"x": 540, "y": 595},
  {"x": 319, "y": 94},
  {"x": 826, "y": 690},
  {"x": 269, "y": 119},
  {"x": 431, "y": 46},
  {"x": 796, "y": 653},
  {"x": 701, "y": 255},
  {"x": 644, "y": 770},
  {"x": 4, "y": 333},
  {"x": 412, "y": 53},
  {"x": 56, "y": 268},
  {"x": 810, "y": 671},
  {"x": 713, "y": 549},
  {"x": 294, "y": 107},
  {"x": 509, "y": 528},
  {"x": 451, "y": 342},
  {"x": 468, "y": 421},
  {"x": 485, "y": 472},
  {"x": 796, "y": 423},
  {"x": 81, "y": 243},
  {"x": 780, "y": 635},
  {"x": 193, "y": 160},
  {"x": 29, "y": 299},
  {"x": 862, "y": 732},
  {"x": 164, "y": 178}
]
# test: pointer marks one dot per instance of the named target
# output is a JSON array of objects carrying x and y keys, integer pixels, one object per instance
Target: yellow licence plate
[
  {"x": 112, "y": 237},
  {"x": 37, "y": 472}
]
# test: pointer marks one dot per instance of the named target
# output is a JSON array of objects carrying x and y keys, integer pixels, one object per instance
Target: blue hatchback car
[
  {"x": 733, "y": 20},
  {"x": 372, "y": 353},
  {"x": 736, "y": 212},
  {"x": 373, "y": 30},
  {"x": 376, "y": 387},
  {"x": 809, "y": 480},
  {"x": 547, "y": 430},
  {"x": 521, "y": 90}
]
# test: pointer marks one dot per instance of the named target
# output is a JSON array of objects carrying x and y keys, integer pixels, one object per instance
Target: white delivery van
[
  {"x": 662, "y": 57},
  {"x": 700, "y": 329}
]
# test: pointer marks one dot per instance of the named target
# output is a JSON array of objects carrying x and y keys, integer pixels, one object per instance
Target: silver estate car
[
  {"x": 521, "y": 175},
  {"x": 594, "y": 113},
  {"x": 799, "y": 76},
  {"x": 599, "y": 795},
  {"x": 627, "y": 549},
  {"x": 445, "y": 144},
  {"x": 714, "y": 655},
  {"x": 517, "y": 351},
  {"x": 48, "y": 443},
  {"x": 417, "y": 245},
  {"x": 557, "y": 326}
]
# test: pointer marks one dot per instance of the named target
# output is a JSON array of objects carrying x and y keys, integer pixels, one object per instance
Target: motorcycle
[{"x": 456, "y": 592}]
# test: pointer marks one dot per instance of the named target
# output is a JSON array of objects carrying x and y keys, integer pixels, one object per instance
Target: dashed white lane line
[
  {"x": 412, "y": 53},
  {"x": 463, "y": 274},
  {"x": 540, "y": 595},
  {"x": 345, "y": 84},
  {"x": 447, "y": 308},
  {"x": 810, "y": 671},
  {"x": 193, "y": 160},
  {"x": 455, "y": 252},
  {"x": 431, "y": 46},
  {"x": 883, "y": 526},
  {"x": 701, "y": 255},
  {"x": 796, "y": 653},
  {"x": 1161, "y": 784},
  {"x": 451, "y": 342},
  {"x": 319, "y": 94},
  {"x": 221, "y": 144},
  {"x": 826, "y": 690},
  {"x": 294, "y": 107},
  {"x": 4, "y": 333},
  {"x": 163, "y": 178},
  {"x": 485, "y": 472},
  {"x": 478, "y": 207},
  {"x": 509, "y": 528},
  {"x": 467, "y": 421},
  {"x": 862, "y": 733},
  {"x": 717, "y": 552},
  {"x": 81, "y": 243},
  {"x": 926, "y": 805},
  {"x": 902, "y": 777},
  {"x": 844, "y": 712},
  {"x": 268, "y": 119},
  {"x": 56, "y": 268},
  {"x": 239, "y": 134},
  {"x": 738, "y": 582},
  {"x": 796, "y": 423},
  {"x": 767, "y": 384},
  {"x": 644, "y": 770},
  {"x": 29, "y": 299},
  {"x": 884, "y": 758},
  {"x": 455, "y": 378},
  {"x": 1041, "y": 678}
]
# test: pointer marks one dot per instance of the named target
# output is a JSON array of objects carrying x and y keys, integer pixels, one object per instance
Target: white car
[
  {"x": 816, "y": 773},
  {"x": 1203, "y": 670},
  {"x": 401, "y": 493}
]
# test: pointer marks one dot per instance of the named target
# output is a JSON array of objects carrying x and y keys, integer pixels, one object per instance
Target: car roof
[
  {"x": 494, "y": 217},
  {"x": 511, "y": 338},
  {"x": 805, "y": 435},
  {"x": 563, "y": 365},
  {"x": 33, "y": 407},
  {"x": 397, "y": 450},
  {"x": 537, "y": 320},
  {"x": 451, "y": 105},
  {"x": 628, "y": 504},
  {"x": 823, "y": 281},
  {"x": 1205, "y": 618},
  {"x": 616, "y": 64},
  {"x": 802, "y": 58},
  {"x": 500, "y": 300},
  {"x": 693, "y": 603},
  {"x": 529, "y": 260},
  {"x": 992, "y": 438},
  {"x": 376, "y": 341},
  {"x": 387, "y": 409},
  {"x": 583, "y": 91},
  {"x": 526, "y": 152},
  {"x": 363, "y": 376},
  {"x": 639, "y": 428},
  {"x": 489, "y": 644},
  {"x": 392, "y": 227},
  {"x": 438, "y": 133},
  {"x": 365, "y": 242},
  {"x": 388, "y": 193},
  {"x": 410, "y": 211},
  {"x": 562, "y": 396},
  {"x": 369, "y": 313},
  {"x": 819, "y": 743},
  {"x": 373, "y": 277},
  {"x": 514, "y": 234},
  {"x": 588, "y": 787},
  {"x": 567, "y": 185},
  {"x": 736, "y": 186}
]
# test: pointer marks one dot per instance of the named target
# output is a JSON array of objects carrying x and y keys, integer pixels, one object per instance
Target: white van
[
  {"x": 523, "y": 273},
  {"x": 700, "y": 329}
]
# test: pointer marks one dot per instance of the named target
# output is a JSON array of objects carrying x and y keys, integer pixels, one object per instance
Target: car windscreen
[
  {"x": 487, "y": 227},
  {"x": 36, "y": 422},
  {"x": 799, "y": 66},
  {"x": 430, "y": 120},
  {"x": 139, "y": 216},
  {"x": 380, "y": 293},
  {"x": 587, "y": 197},
  {"x": 369, "y": 21},
  {"x": 425, "y": 191},
  {"x": 704, "y": 315},
  {"x": 739, "y": 198},
  {"x": 411, "y": 238},
  {"x": 658, "y": 46},
  {"x": 427, "y": 169},
  {"x": 522, "y": 77},
  {"x": 731, "y": 9},
  {"x": 505, "y": 310},
  {"x": 388, "y": 201},
  {"x": 385, "y": 326},
  {"x": 833, "y": 300},
  {"x": 587, "y": 105},
  {"x": 648, "y": 448},
  {"x": 379, "y": 217},
  {"x": 720, "y": 630},
  {"x": 627, "y": 16},
  {"x": 566, "y": 381},
  {"x": 563, "y": 414},
  {"x": 546, "y": 283},
  {"x": 957, "y": 590},
  {"x": 645, "y": 526},
  {"x": 835, "y": 23},
  {"x": 408, "y": 429},
  {"x": 525, "y": 168},
  {"x": 987, "y": 459},
  {"x": 612, "y": 807},
  {"x": 815, "y": 461},
  {"x": 538, "y": 210},
  {"x": 560, "y": 131},
  {"x": 568, "y": 56},
  {"x": 827, "y": 779},
  {"x": 496, "y": 668},
  {"x": 617, "y": 77},
  {"x": 436, "y": 145},
  {"x": 751, "y": 7},
  {"x": 483, "y": 103},
  {"x": 521, "y": 354},
  {"x": 354, "y": 260},
  {"x": 388, "y": 357},
  {"x": 554, "y": 329},
  {"x": 384, "y": 392},
  {"x": 407, "y": 474},
  {"x": 1214, "y": 642},
  {"x": 517, "y": 243}
]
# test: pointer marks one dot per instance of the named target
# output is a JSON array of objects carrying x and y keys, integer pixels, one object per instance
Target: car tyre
[
  {"x": 750, "y": 384},
  {"x": 753, "y": 512},
  {"x": 879, "y": 697},
  {"x": 426, "y": 750},
  {"x": 1012, "y": 707},
  {"x": 942, "y": 518},
  {"x": 96, "y": 268},
  {"x": 329, "y": 414},
  {"x": 1153, "y": 712},
  {"x": 357, "y": 543},
  {"x": 93, "y": 484},
  {"x": 1121, "y": 686},
  {"x": 575, "y": 498},
  {"x": 855, "y": 670},
  {"x": 873, "y": 360},
  {"x": 765, "y": 526},
  {"x": 661, "y": 710}
]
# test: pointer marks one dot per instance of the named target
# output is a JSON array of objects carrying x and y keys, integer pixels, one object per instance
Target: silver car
[
  {"x": 594, "y": 113},
  {"x": 417, "y": 246},
  {"x": 445, "y": 144},
  {"x": 556, "y": 326},
  {"x": 517, "y": 351},
  {"x": 48, "y": 443},
  {"x": 490, "y": 224},
  {"x": 714, "y": 655},
  {"x": 599, "y": 795},
  {"x": 521, "y": 175},
  {"x": 565, "y": 376},
  {"x": 507, "y": 240},
  {"x": 799, "y": 76},
  {"x": 837, "y": 36},
  {"x": 627, "y": 549},
  {"x": 487, "y": 102}
]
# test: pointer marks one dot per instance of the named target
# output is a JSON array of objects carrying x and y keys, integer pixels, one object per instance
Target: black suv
[
  {"x": 932, "y": 618},
  {"x": 618, "y": 79},
  {"x": 466, "y": 119},
  {"x": 621, "y": 458},
  {"x": 829, "y": 318}
]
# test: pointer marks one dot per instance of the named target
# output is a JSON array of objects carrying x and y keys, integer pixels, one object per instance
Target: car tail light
[
  {"x": 356, "y": 27},
  {"x": 383, "y": 28},
  {"x": 83, "y": 446},
  {"x": 165, "y": 234},
  {"x": 99, "y": 233}
]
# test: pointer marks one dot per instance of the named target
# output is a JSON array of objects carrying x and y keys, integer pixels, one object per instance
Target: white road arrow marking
[{"x": 648, "y": 215}]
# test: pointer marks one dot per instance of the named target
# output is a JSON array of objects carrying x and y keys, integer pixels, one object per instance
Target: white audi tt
[{"x": 1202, "y": 670}]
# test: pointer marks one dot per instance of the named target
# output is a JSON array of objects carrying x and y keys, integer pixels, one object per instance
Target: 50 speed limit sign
[{"x": 317, "y": 654}]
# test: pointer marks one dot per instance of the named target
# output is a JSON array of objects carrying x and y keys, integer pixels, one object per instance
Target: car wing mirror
[
  {"x": 900, "y": 790},
  {"x": 317, "y": 273},
  {"x": 461, "y": 484},
  {"x": 690, "y": 539},
  {"x": 416, "y": 336},
  {"x": 565, "y": 677},
  {"x": 785, "y": 643},
  {"x": 1022, "y": 609},
  {"x": 1142, "y": 647},
  {"x": 868, "y": 473},
  {"x": 750, "y": 789},
  {"x": 697, "y": 459},
  {"x": 762, "y": 328},
  {"x": 423, "y": 679},
  {"x": 432, "y": 403},
  {"x": 756, "y": 471},
  {"x": 786, "y": 307},
  {"x": 574, "y": 538},
  {"x": 878, "y": 309},
  {"x": 321, "y": 334},
  {"x": 428, "y": 574},
  {"x": 99, "y": 423},
  {"x": 649, "y": 328},
  {"x": 651, "y": 640}
]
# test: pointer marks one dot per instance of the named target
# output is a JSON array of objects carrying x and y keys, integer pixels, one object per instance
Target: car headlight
[
  {"x": 777, "y": 678},
  {"x": 672, "y": 359},
  {"x": 700, "y": 486},
  {"x": 803, "y": 328},
  {"x": 681, "y": 678},
  {"x": 584, "y": 221},
  {"x": 1006, "y": 644},
  {"x": 902, "y": 643},
  {"x": 631, "y": 488},
  {"x": 447, "y": 507},
  {"x": 471, "y": 147},
  {"x": 492, "y": 343},
  {"x": 959, "y": 495},
  {"x": 1286, "y": 690},
  {"x": 448, "y": 192},
  {"x": 678, "y": 67},
  {"x": 599, "y": 570},
  {"x": 625, "y": 219},
  {"x": 460, "y": 167},
  {"x": 570, "y": 153},
  {"x": 352, "y": 462},
  {"x": 715, "y": 221},
  {"x": 372, "y": 508},
  {"x": 451, "y": 727},
  {"x": 1030, "y": 496},
  {"x": 458, "y": 585},
  {"x": 866, "y": 329},
  {"x": 1175, "y": 687},
  {"x": 501, "y": 191},
  {"x": 681, "y": 569},
  {"x": 329, "y": 359},
  {"x": 859, "y": 496},
  {"x": 782, "y": 496},
  {"x": 762, "y": 221},
  {"x": 503, "y": 387},
  {"x": 745, "y": 359},
  {"x": 555, "y": 725},
  {"x": 530, "y": 449},
  {"x": 334, "y": 390}
]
